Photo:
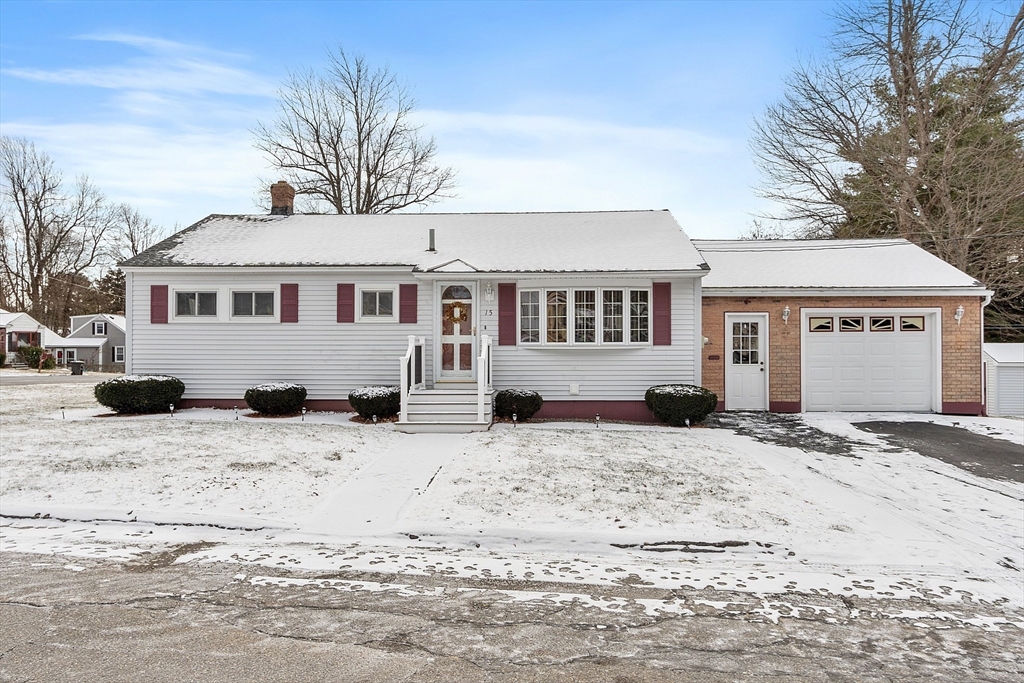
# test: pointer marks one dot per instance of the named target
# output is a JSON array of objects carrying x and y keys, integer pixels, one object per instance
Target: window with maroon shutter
[
  {"x": 346, "y": 303},
  {"x": 662, "y": 314},
  {"x": 290, "y": 303},
  {"x": 407, "y": 303},
  {"x": 158, "y": 304},
  {"x": 507, "y": 314}
]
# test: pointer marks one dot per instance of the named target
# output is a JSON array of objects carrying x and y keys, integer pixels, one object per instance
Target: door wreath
[{"x": 456, "y": 313}]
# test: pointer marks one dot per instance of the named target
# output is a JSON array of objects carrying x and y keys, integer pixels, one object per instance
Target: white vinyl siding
[
  {"x": 605, "y": 372},
  {"x": 219, "y": 359},
  {"x": 1004, "y": 388}
]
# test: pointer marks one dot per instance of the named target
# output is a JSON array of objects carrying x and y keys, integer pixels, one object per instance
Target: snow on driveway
[{"x": 720, "y": 508}]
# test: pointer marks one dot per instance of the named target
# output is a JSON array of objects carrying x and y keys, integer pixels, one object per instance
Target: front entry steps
[{"x": 447, "y": 409}]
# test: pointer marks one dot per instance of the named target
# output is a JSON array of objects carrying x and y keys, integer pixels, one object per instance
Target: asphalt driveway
[{"x": 976, "y": 453}]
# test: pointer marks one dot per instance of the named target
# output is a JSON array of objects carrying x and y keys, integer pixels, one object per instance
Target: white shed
[{"x": 1004, "y": 366}]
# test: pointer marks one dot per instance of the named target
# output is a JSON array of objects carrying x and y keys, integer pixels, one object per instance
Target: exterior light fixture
[
  {"x": 958, "y": 316},
  {"x": 597, "y": 420},
  {"x": 488, "y": 292},
  {"x": 785, "y": 315},
  {"x": 172, "y": 410},
  {"x": 374, "y": 419},
  {"x": 303, "y": 413},
  {"x": 62, "y": 412},
  {"x": 515, "y": 419},
  {"x": 236, "y": 412}
]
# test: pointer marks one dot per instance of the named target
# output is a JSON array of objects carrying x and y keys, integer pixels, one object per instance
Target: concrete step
[{"x": 441, "y": 427}]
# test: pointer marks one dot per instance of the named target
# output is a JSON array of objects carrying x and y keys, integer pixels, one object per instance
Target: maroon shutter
[
  {"x": 346, "y": 303},
  {"x": 507, "y": 314},
  {"x": 158, "y": 304},
  {"x": 662, "y": 332},
  {"x": 407, "y": 303},
  {"x": 289, "y": 303}
]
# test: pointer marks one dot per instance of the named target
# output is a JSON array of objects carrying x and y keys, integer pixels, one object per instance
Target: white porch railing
[
  {"x": 412, "y": 373},
  {"x": 483, "y": 375}
]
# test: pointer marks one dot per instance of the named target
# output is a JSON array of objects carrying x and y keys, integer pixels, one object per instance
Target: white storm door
[
  {"x": 458, "y": 333},
  {"x": 746, "y": 368}
]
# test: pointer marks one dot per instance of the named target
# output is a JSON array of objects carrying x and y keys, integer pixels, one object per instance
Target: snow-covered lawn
[
  {"x": 201, "y": 464},
  {"x": 757, "y": 513}
]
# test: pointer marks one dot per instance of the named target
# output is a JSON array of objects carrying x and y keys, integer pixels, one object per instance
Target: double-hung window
[
  {"x": 99, "y": 329},
  {"x": 585, "y": 316},
  {"x": 252, "y": 304},
  {"x": 118, "y": 354},
  {"x": 195, "y": 304}
]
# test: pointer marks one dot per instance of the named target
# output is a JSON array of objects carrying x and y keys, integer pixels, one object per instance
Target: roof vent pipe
[{"x": 431, "y": 241}]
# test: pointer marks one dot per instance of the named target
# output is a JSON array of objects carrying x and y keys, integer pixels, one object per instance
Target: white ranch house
[{"x": 590, "y": 309}]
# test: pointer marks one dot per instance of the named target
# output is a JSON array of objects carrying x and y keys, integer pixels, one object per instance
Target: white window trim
[
  {"x": 96, "y": 325},
  {"x": 275, "y": 289},
  {"x": 370, "y": 287},
  {"x": 190, "y": 289},
  {"x": 116, "y": 350},
  {"x": 571, "y": 314},
  {"x": 70, "y": 355}
]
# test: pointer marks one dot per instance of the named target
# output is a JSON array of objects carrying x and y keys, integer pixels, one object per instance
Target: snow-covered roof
[
  {"x": 602, "y": 241},
  {"x": 78, "y": 321},
  {"x": 51, "y": 338},
  {"x": 1005, "y": 353},
  {"x": 19, "y": 322},
  {"x": 894, "y": 264}
]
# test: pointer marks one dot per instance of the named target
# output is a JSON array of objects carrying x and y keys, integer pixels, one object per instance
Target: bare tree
[
  {"x": 49, "y": 236},
  {"x": 132, "y": 232},
  {"x": 345, "y": 140},
  {"x": 911, "y": 128}
]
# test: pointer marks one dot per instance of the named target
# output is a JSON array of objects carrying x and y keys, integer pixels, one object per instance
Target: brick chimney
[{"x": 282, "y": 199}]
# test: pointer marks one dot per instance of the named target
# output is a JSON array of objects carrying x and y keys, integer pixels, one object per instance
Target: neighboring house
[
  {"x": 21, "y": 329},
  {"x": 98, "y": 340},
  {"x": 1004, "y": 373},
  {"x": 846, "y": 325},
  {"x": 589, "y": 308}
]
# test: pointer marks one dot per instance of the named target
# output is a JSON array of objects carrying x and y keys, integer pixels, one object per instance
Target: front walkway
[{"x": 371, "y": 502}]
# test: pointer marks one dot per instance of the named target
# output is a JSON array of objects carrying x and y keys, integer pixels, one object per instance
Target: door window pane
[
  {"x": 585, "y": 316},
  {"x": 558, "y": 317},
  {"x": 611, "y": 317}
]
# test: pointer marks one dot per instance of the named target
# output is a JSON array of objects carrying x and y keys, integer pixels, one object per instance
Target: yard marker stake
[{"x": 62, "y": 412}]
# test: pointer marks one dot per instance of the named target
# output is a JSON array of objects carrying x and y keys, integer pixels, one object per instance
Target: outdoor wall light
[
  {"x": 488, "y": 292},
  {"x": 959, "y": 314},
  {"x": 785, "y": 315}
]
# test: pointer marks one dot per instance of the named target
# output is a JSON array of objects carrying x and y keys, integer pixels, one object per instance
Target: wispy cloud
[{"x": 167, "y": 66}]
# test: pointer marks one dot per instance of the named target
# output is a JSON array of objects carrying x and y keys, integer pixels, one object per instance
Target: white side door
[{"x": 746, "y": 362}]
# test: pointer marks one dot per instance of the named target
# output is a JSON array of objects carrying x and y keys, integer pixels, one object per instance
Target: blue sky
[{"x": 538, "y": 106}]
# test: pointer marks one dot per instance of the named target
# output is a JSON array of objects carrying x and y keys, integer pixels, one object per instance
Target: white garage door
[{"x": 868, "y": 361}]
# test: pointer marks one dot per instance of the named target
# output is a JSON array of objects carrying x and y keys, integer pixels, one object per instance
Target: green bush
[
  {"x": 3, "y": 357},
  {"x": 140, "y": 393},
  {"x": 519, "y": 401},
  {"x": 674, "y": 404},
  {"x": 30, "y": 355},
  {"x": 379, "y": 401},
  {"x": 276, "y": 398},
  {"x": 49, "y": 363}
]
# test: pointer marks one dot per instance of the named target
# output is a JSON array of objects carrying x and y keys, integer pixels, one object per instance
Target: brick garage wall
[{"x": 961, "y": 344}]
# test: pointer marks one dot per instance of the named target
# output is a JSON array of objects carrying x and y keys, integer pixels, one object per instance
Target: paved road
[
  {"x": 152, "y": 620},
  {"x": 14, "y": 380}
]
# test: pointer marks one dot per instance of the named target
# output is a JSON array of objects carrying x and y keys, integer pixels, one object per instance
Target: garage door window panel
[
  {"x": 820, "y": 324},
  {"x": 912, "y": 323},
  {"x": 882, "y": 324},
  {"x": 849, "y": 324}
]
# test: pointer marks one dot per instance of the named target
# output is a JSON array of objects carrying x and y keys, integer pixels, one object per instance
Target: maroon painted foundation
[
  {"x": 627, "y": 411},
  {"x": 965, "y": 408},
  {"x": 325, "y": 405}
]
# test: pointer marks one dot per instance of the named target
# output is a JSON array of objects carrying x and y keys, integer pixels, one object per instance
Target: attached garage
[
  {"x": 870, "y": 360},
  {"x": 839, "y": 325},
  {"x": 1004, "y": 372}
]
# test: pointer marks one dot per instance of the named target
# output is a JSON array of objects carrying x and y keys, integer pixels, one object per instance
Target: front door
[
  {"x": 458, "y": 333},
  {"x": 746, "y": 368}
]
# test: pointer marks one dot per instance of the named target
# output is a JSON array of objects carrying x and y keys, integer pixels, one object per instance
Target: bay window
[{"x": 585, "y": 316}]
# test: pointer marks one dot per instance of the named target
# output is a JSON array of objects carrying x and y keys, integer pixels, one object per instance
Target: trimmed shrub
[
  {"x": 140, "y": 393},
  {"x": 49, "y": 363},
  {"x": 276, "y": 398},
  {"x": 675, "y": 403},
  {"x": 379, "y": 401},
  {"x": 519, "y": 401},
  {"x": 30, "y": 355}
]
